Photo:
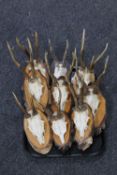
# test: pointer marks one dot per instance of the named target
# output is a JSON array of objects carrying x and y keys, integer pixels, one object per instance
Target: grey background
[{"x": 58, "y": 20}]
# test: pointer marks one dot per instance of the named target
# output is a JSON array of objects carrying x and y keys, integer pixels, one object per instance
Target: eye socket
[
  {"x": 74, "y": 70},
  {"x": 90, "y": 84}
]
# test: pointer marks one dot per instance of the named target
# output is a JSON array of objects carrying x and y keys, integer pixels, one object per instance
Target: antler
[
  {"x": 72, "y": 91},
  {"x": 74, "y": 55},
  {"x": 22, "y": 47},
  {"x": 41, "y": 107},
  {"x": 82, "y": 49},
  {"x": 74, "y": 58},
  {"x": 13, "y": 55},
  {"x": 30, "y": 48},
  {"x": 48, "y": 67},
  {"x": 15, "y": 61},
  {"x": 46, "y": 61},
  {"x": 92, "y": 61},
  {"x": 65, "y": 52},
  {"x": 36, "y": 45},
  {"x": 51, "y": 50},
  {"x": 95, "y": 60},
  {"x": 20, "y": 105},
  {"x": 104, "y": 70},
  {"x": 31, "y": 57}
]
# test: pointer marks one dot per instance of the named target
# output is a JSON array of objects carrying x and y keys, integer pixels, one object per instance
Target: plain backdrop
[{"x": 57, "y": 20}]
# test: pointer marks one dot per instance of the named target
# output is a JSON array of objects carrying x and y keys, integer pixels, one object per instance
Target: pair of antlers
[
  {"x": 53, "y": 53},
  {"x": 94, "y": 59},
  {"x": 28, "y": 51}
]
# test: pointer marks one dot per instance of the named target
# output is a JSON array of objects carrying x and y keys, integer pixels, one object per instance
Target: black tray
[{"x": 97, "y": 148}]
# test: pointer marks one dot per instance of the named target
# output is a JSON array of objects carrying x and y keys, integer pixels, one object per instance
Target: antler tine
[
  {"x": 13, "y": 56},
  {"x": 66, "y": 50},
  {"x": 82, "y": 49},
  {"x": 93, "y": 63},
  {"x": 46, "y": 61},
  {"x": 72, "y": 65},
  {"x": 19, "y": 104},
  {"x": 72, "y": 91},
  {"x": 74, "y": 55},
  {"x": 48, "y": 66},
  {"x": 30, "y": 48},
  {"x": 51, "y": 50},
  {"x": 83, "y": 40},
  {"x": 104, "y": 70},
  {"x": 22, "y": 47},
  {"x": 36, "y": 45}
]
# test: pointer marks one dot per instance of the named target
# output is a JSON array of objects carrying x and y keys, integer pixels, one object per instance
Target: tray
[{"x": 97, "y": 148}]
